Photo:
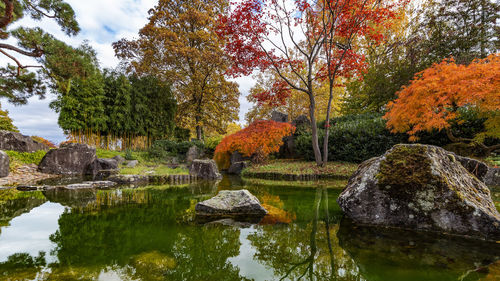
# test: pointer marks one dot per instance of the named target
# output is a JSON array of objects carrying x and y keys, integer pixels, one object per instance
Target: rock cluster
[
  {"x": 18, "y": 142},
  {"x": 75, "y": 159},
  {"x": 421, "y": 187}
]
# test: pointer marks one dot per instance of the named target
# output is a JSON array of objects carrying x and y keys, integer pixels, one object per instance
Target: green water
[{"x": 151, "y": 234}]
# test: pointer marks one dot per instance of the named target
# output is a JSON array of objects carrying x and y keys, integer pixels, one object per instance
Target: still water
[{"x": 150, "y": 233}]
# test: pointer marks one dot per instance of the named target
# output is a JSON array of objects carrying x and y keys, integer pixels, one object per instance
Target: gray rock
[
  {"x": 79, "y": 186},
  {"x": 238, "y": 157},
  {"x": 492, "y": 178},
  {"x": 69, "y": 159},
  {"x": 301, "y": 122},
  {"x": 237, "y": 168},
  {"x": 132, "y": 163},
  {"x": 194, "y": 153},
  {"x": 18, "y": 142},
  {"x": 91, "y": 184},
  {"x": 231, "y": 203},
  {"x": 205, "y": 169},
  {"x": 475, "y": 167},
  {"x": 279, "y": 117},
  {"x": 4, "y": 164},
  {"x": 119, "y": 159},
  {"x": 420, "y": 187},
  {"x": 129, "y": 179},
  {"x": 99, "y": 165}
]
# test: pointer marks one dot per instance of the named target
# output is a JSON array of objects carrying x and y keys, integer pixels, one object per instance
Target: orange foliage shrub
[
  {"x": 67, "y": 141},
  {"x": 260, "y": 137},
  {"x": 433, "y": 97},
  {"x": 44, "y": 141}
]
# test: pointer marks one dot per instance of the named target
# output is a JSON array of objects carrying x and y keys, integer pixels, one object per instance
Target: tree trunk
[
  {"x": 483, "y": 29},
  {"x": 314, "y": 130},
  {"x": 327, "y": 127},
  {"x": 199, "y": 133}
]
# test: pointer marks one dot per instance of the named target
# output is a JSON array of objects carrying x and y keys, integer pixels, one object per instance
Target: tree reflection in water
[
  {"x": 306, "y": 250},
  {"x": 146, "y": 234}
]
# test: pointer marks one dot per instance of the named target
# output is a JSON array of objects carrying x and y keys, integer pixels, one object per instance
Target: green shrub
[
  {"x": 129, "y": 156},
  {"x": 210, "y": 145},
  {"x": 353, "y": 138},
  {"x": 18, "y": 159},
  {"x": 165, "y": 148},
  {"x": 103, "y": 153},
  {"x": 181, "y": 134}
]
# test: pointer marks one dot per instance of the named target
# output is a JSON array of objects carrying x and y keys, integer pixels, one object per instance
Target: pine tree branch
[
  {"x": 39, "y": 11},
  {"x": 19, "y": 65},
  {"x": 35, "y": 53}
]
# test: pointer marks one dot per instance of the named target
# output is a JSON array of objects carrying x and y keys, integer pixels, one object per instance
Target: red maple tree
[{"x": 312, "y": 40}]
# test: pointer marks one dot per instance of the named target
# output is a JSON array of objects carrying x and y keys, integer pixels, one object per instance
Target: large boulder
[
  {"x": 119, "y": 159},
  {"x": 101, "y": 167},
  {"x": 420, "y": 187},
  {"x": 18, "y": 142},
  {"x": 69, "y": 159},
  {"x": 235, "y": 203},
  {"x": 4, "y": 164},
  {"x": 279, "y": 117},
  {"x": 194, "y": 153},
  {"x": 475, "y": 167},
  {"x": 237, "y": 167},
  {"x": 301, "y": 122},
  {"x": 205, "y": 169},
  {"x": 492, "y": 178}
]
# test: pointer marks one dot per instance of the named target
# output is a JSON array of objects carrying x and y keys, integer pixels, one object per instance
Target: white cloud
[{"x": 102, "y": 23}]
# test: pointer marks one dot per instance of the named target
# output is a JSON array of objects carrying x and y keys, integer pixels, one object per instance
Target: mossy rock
[{"x": 421, "y": 187}]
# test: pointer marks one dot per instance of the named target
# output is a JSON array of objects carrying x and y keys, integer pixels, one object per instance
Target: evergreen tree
[{"x": 57, "y": 63}]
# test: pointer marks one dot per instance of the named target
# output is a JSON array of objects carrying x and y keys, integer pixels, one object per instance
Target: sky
[{"x": 102, "y": 22}]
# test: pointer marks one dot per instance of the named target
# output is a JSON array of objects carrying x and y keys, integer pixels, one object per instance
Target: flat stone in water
[
  {"x": 231, "y": 203},
  {"x": 91, "y": 184}
]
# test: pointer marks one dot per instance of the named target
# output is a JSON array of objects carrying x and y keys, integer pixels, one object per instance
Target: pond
[{"x": 150, "y": 233}]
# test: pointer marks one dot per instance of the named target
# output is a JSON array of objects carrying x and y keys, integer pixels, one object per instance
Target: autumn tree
[
  {"x": 436, "y": 96},
  {"x": 55, "y": 61},
  {"x": 265, "y": 34},
  {"x": 294, "y": 104},
  {"x": 6, "y": 122},
  {"x": 258, "y": 140},
  {"x": 179, "y": 45},
  {"x": 424, "y": 33}
]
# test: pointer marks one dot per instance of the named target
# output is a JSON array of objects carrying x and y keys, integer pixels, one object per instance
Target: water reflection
[
  {"x": 389, "y": 254},
  {"x": 150, "y": 234}
]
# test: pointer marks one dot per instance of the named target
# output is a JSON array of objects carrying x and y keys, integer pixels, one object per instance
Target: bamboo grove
[{"x": 111, "y": 110}]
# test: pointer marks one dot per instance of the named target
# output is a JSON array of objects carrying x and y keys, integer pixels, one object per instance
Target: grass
[
  {"x": 303, "y": 167},
  {"x": 18, "y": 159},
  {"x": 336, "y": 184},
  {"x": 494, "y": 160},
  {"x": 103, "y": 153},
  {"x": 159, "y": 170}
]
